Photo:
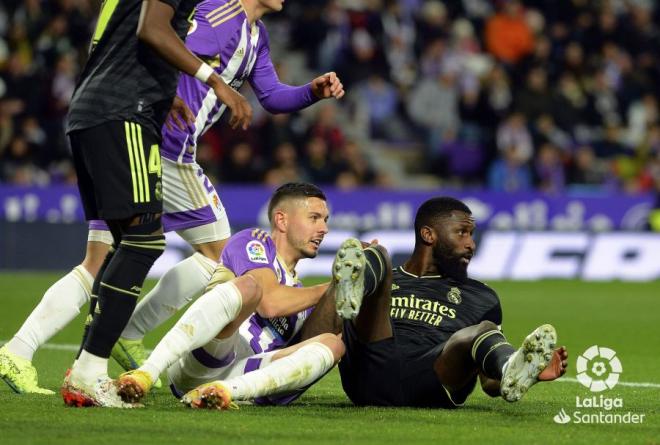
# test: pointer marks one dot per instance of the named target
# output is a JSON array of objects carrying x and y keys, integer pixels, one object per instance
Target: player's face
[
  {"x": 455, "y": 246},
  {"x": 308, "y": 224}
]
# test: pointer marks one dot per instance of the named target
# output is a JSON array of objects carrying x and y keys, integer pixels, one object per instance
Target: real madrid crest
[{"x": 454, "y": 295}]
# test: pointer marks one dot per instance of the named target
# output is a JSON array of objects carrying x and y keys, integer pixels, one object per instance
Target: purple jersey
[
  {"x": 222, "y": 36},
  {"x": 253, "y": 249}
]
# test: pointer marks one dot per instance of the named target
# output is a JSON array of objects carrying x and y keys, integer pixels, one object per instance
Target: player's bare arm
[
  {"x": 155, "y": 30},
  {"x": 279, "y": 300}
]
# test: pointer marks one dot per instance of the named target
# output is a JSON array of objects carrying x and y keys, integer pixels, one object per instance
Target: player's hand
[
  {"x": 372, "y": 243},
  {"x": 557, "y": 366},
  {"x": 328, "y": 85},
  {"x": 179, "y": 115},
  {"x": 241, "y": 111}
]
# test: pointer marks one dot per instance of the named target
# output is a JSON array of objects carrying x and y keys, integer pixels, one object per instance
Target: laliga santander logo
[{"x": 598, "y": 368}]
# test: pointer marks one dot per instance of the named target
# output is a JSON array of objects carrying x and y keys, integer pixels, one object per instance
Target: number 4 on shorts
[{"x": 154, "y": 161}]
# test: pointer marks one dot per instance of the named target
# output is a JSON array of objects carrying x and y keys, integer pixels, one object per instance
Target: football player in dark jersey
[
  {"x": 118, "y": 108},
  {"x": 422, "y": 333}
]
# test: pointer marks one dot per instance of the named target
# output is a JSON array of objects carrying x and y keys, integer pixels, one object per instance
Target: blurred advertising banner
[
  {"x": 519, "y": 236},
  {"x": 373, "y": 209},
  {"x": 627, "y": 256}
]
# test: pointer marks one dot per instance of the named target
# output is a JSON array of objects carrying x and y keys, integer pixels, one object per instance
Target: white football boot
[
  {"x": 522, "y": 369},
  {"x": 348, "y": 276}
]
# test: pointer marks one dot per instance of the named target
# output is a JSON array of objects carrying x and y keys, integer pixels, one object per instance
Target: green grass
[{"x": 622, "y": 316}]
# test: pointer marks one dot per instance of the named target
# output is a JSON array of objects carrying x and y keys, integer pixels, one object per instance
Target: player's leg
[
  {"x": 372, "y": 323},
  {"x": 174, "y": 290},
  {"x": 286, "y": 374},
  {"x": 360, "y": 290},
  {"x": 222, "y": 309},
  {"x": 128, "y": 196},
  {"x": 192, "y": 208},
  {"x": 60, "y": 304},
  {"x": 483, "y": 349},
  {"x": 99, "y": 231}
]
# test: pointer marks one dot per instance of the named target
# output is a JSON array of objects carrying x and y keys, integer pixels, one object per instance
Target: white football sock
[
  {"x": 190, "y": 372},
  {"x": 60, "y": 304},
  {"x": 289, "y": 373},
  {"x": 179, "y": 286},
  {"x": 203, "y": 320},
  {"x": 89, "y": 367}
]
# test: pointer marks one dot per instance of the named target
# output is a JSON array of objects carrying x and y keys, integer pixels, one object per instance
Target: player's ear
[
  {"x": 428, "y": 234},
  {"x": 280, "y": 220}
]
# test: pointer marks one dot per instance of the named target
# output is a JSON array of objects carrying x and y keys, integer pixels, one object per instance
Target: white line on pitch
[
  {"x": 59, "y": 346},
  {"x": 72, "y": 347},
  {"x": 633, "y": 384}
]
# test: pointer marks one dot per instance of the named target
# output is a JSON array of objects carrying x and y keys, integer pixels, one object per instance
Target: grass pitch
[{"x": 621, "y": 316}]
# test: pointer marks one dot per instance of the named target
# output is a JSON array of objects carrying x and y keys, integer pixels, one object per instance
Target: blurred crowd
[{"x": 509, "y": 95}]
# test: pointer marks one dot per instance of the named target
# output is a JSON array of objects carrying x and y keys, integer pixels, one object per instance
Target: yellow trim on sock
[
  {"x": 124, "y": 291},
  {"x": 480, "y": 340}
]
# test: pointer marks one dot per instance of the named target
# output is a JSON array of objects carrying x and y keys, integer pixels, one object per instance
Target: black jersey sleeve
[{"x": 494, "y": 314}]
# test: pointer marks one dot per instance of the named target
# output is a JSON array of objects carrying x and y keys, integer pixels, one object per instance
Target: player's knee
[
  {"x": 334, "y": 343},
  {"x": 144, "y": 224},
  {"x": 143, "y": 240},
  {"x": 94, "y": 256},
  {"x": 464, "y": 338},
  {"x": 485, "y": 326},
  {"x": 385, "y": 255},
  {"x": 249, "y": 289}
]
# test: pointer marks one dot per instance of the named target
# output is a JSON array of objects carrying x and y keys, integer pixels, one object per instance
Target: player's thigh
[
  {"x": 455, "y": 366},
  {"x": 191, "y": 205},
  {"x": 423, "y": 388},
  {"x": 329, "y": 340},
  {"x": 371, "y": 373},
  {"x": 121, "y": 166}
]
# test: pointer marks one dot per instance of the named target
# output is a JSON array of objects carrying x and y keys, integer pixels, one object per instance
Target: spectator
[
  {"x": 327, "y": 127},
  {"x": 284, "y": 166},
  {"x": 18, "y": 166},
  {"x": 508, "y": 36},
  {"x": 547, "y": 131},
  {"x": 241, "y": 166},
  {"x": 318, "y": 165},
  {"x": 356, "y": 165},
  {"x": 642, "y": 115},
  {"x": 433, "y": 106},
  {"x": 586, "y": 169},
  {"x": 549, "y": 169},
  {"x": 458, "y": 158},
  {"x": 381, "y": 102},
  {"x": 509, "y": 174},
  {"x": 581, "y": 73},
  {"x": 536, "y": 98},
  {"x": 514, "y": 138}
]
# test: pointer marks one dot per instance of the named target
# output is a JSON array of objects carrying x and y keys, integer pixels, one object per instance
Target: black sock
[
  {"x": 120, "y": 288},
  {"x": 490, "y": 351},
  {"x": 375, "y": 270},
  {"x": 93, "y": 300}
]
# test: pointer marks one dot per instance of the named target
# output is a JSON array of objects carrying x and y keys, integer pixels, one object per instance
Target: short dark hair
[
  {"x": 293, "y": 190},
  {"x": 436, "y": 208}
]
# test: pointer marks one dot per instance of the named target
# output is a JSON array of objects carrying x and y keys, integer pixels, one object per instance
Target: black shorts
[
  {"x": 379, "y": 374},
  {"x": 119, "y": 170}
]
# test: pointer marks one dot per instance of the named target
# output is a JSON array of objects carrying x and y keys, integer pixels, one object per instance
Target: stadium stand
[{"x": 507, "y": 95}]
